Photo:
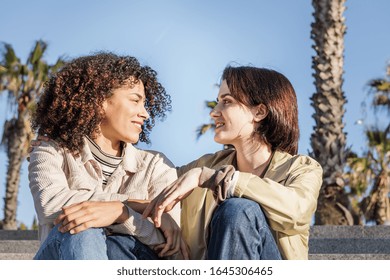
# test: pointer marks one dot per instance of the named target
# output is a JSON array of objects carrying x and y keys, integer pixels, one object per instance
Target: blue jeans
[
  {"x": 92, "y": 244},
  {"x": 239, "y": 231}
]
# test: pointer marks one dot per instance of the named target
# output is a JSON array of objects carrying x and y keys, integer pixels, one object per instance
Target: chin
[
  {"x": 221, "y": 141},
  {"x": 131, "y": 140}
]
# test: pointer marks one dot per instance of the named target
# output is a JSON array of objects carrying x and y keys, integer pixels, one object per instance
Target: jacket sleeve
[
  {"x": 205, "y": 160},
  {"x": 49, "y": 186},
  {"x": 163, "y": 174},
  {"x": 185, "y": 168},
  {"x": 288, "y": 205}
]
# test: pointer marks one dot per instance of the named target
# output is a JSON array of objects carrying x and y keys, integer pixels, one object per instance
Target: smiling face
[
  {"x": 125, "y": 114},
  {"x": 234, "y": 122}
]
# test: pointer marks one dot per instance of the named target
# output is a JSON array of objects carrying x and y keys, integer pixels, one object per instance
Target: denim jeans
[
  {"x": 92, "y": 244},
  {"x": 239, "y": 231}
]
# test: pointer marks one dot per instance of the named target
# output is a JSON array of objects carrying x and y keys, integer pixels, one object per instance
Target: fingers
[
  {"x": 148, "y": 210},
  {"x": 154, "y": 212},
  {"x": 167, "y": 247},
  {"x": 168, "y": 200},
  {"x": 181, "y": 248},
  {"x": 77, "y": 225},
  {"x": 75, "y": 218},
  {"x": 67, "y": 210},
  {"x": 157, "y": 216},
  {"x": 172, "y": 233},
  {"x": 165, "y": 252}
]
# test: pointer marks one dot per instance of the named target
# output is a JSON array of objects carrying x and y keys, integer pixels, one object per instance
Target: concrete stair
[
  {"x": 18, "y": 244},
  {"x": 326, "y": 243},
  {"x": 349, "y": 243}
]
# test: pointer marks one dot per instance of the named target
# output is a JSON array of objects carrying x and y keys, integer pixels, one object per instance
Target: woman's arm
[
  {"x": 49, "y": 185},
  {"x": 162, "y": 175},
  {"x": 218, "y": 181},
  {"x": 290, "y": 205}
]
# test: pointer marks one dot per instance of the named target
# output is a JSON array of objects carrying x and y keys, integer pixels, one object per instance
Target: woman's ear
[
  {"x": 105, "y": 105},
  {"x": 259, "y": 112}
]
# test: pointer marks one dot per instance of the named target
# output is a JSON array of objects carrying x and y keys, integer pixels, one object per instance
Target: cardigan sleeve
[
  {"x": 289, "y": 205},
  {"x": 49, "y": 184}
]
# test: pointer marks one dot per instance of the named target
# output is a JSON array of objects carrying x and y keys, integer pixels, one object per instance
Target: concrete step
[
  {"x": 16, "y": 256},
  {"x": 349, "y": 256},
  {"x": 325, "y": 243},
  {"x": 19, "y": 246},
  {"x": 349, "y": 243},
  {"x": 18, "y": 235},
  {"x": 349, "y": 246},
  {"x": 350, "y": 232}
]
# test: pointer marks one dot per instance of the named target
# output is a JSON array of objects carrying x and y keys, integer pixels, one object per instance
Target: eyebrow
[
  {"x": 224, "y": 95},
  {"x": 139, "y": 95}
]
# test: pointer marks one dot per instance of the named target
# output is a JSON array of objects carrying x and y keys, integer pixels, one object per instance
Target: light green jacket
[{"x": 288, "y": 195}]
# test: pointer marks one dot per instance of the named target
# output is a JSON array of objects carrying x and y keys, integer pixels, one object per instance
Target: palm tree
[
  {"x": 328, "y": 140},
  {"x": 209, "y": 126},
  {"x": 24, "y": 83},
  {"x": 380, "y": 88},
  {"x": 371, "y": 172}
]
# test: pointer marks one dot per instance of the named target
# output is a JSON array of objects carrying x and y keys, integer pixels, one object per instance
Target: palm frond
[
  {"x": 59, "y": 63},
  {"x": 9, "y": 56},
  {"x": 380, "y": 88},
  {"x": 206, "y": 127},
  {"x": 203, "y": 129},
  {"x": 376, "y": 137},
  {"x": 37, "y": 53},
  {"x": 211, "y": 104},
  {"x": 380, "y": 85}
]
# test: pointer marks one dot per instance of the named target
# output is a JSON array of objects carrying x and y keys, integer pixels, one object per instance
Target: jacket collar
[
  {"x": 132, "y": 158},
  {"x": 277, "y": 169}
]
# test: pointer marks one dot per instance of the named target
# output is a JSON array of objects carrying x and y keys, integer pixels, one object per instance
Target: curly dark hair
[{"x": 71, "y": 104}]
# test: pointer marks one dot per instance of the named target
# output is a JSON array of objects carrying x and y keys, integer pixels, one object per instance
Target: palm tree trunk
[
  {"x": 383, "y": 211},
  {"x": 16, "y": 139},
  {"x": 328, "y": 139}
]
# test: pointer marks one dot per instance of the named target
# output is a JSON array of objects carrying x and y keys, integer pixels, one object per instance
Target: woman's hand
[
  {"x": 81, "y": 216},
  {"x": 174, "y": 239},
  {"x": 171, "y": 195}
]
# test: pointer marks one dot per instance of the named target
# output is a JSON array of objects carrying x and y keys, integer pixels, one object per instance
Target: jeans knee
[
  {"x": 239, "y": 230},
  {"x": 90, "y": 236},
  {"x": 239, "y": 209},
  {"x": 88, "y": 244}
]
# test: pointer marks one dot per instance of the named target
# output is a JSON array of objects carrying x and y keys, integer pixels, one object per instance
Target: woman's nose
[
  {"x": 215, "y": 112},
  {"x": 143, "y": 113}
]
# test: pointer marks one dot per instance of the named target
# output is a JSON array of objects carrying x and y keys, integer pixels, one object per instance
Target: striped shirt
[{"x": 107, "y": 162}]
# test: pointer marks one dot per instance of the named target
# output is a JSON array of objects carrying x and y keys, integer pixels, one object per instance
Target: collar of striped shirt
[{"x": 107, "y": 162}]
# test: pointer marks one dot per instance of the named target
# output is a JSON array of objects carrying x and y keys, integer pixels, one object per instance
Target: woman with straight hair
[{"x": 255, "y": 201}]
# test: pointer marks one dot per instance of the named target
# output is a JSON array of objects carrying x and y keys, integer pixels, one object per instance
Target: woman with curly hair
[
  {"x": 255, "y": 201},
  {"x": 89, "y": 183}
]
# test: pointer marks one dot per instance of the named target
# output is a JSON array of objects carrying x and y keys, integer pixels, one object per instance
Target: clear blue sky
[{"x": 189, "y": 43}]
